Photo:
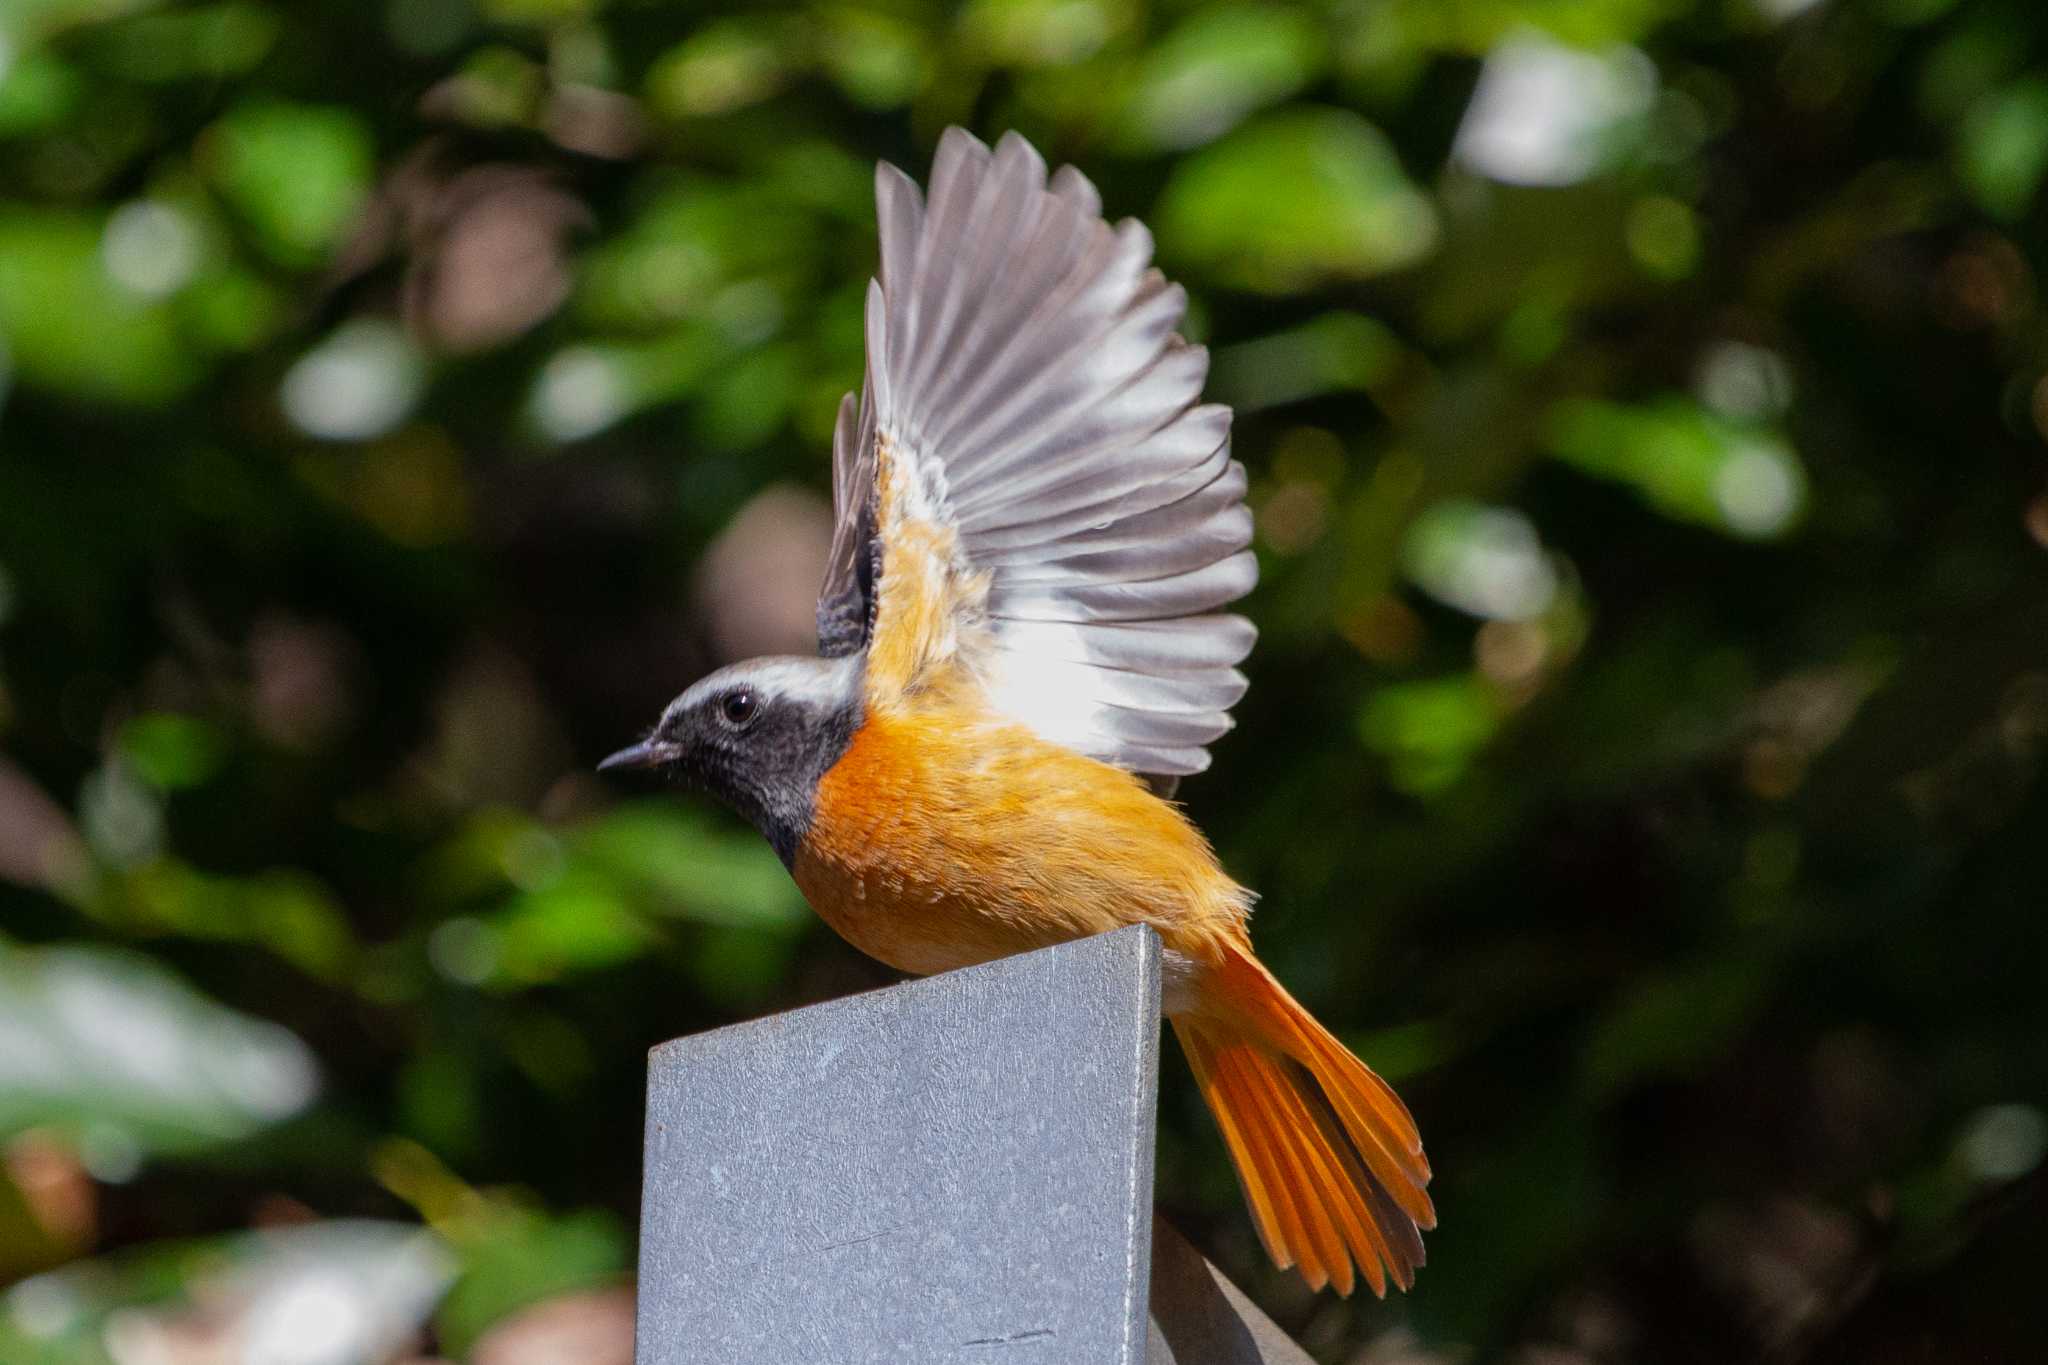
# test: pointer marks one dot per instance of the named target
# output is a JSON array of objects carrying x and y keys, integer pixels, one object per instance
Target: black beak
[{"x": 649, "y": 753}]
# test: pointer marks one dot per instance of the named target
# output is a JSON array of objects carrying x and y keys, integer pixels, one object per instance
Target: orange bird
[{"x": 1022, "y": 653}]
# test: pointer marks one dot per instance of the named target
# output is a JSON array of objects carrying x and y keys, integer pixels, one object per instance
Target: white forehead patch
[{"x": 823, "y": 683}]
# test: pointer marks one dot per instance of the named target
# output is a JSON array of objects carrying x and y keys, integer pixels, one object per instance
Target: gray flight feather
[{"x": 1024, "y": 352}]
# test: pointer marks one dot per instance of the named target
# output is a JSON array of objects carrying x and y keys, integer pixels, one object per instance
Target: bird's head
[{"x": 758, "y": 735}]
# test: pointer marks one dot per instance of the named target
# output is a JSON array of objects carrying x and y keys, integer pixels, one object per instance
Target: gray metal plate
[{"x": 955, "y": 1169}]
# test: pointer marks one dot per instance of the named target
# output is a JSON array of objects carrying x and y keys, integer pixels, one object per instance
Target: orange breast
[{"x": 946, "y": 837}]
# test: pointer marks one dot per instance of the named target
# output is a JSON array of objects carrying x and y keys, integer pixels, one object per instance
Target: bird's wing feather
[
  {"x": 1057, "y": 515},
  {"x": 845, "y": 612}
]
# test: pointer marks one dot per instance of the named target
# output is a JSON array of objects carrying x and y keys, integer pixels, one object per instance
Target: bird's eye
[{"x": 739, "y": 707}]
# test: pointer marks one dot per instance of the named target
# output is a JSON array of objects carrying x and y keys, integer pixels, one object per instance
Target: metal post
[{"x": 954, "y": 1169}]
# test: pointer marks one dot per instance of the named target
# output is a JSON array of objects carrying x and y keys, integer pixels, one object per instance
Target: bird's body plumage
[
  {"x": 1037, "y": 525},
  {"x": 947, "y": 836}
]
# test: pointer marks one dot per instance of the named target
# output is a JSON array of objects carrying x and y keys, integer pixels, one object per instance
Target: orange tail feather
[{"x": 1329, "y": 1157}]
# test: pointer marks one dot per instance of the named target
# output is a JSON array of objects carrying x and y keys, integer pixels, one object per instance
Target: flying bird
[{"x": 1022, "y": 650}]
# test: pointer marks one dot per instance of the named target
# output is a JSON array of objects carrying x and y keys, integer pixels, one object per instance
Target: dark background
[{"x": 1644, "y": 401}]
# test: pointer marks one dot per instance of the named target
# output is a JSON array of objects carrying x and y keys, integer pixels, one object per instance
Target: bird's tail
[{"x": 1329, "y": 1157}]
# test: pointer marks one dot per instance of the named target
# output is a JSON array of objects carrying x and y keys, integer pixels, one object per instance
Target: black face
[{"x": 758, "y": 737}]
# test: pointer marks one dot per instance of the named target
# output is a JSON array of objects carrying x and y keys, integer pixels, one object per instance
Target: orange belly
[{"x": 944, "y": 837}]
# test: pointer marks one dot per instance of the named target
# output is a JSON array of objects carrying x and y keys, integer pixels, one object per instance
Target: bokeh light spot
[
  {"x": 358, "y": 384},
  {"x": 45, "y": 1306},
  {"x": 1744, "y": 382},
  {"x": 1487, "y": 561},
  {"x": 1547, "y": 114},
  {"x": 580, "y": 392},
  {"x": 122, "y": 818},
  {"x": 110, "y": 1152},
  {"x": 465, "y": 950},
  {"x": 151, "y": 249},
  {"x": 1759, "y": 489},
  {"x": 2004, "y": 1142}
]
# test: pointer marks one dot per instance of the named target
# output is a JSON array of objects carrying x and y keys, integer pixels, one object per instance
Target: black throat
[{"x": 771, "y": 777}]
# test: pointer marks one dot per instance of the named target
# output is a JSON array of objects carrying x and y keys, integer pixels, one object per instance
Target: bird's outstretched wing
[{"x": 1031, "y": 499}]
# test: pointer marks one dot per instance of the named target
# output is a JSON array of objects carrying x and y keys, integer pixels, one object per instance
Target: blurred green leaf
[
  {"x": 172, "y": 751},
  {"x": 297, "y": 173},
  {"x": 716, "y": 875},
  {"x": 200, "y": 42},
  {"x": 115, "y": 1052},
  {"x": 230, "y": 309},
  {"x": 879, "y": 59},
  {"x": 1686, "y": 462},
  {"x": 579, "y": 921},
  {"x": 442, "y": 1100},
  {"x": 723, "y": 67},
  {"x": 592, "y": 897},
  {"x": 747, "y": 402},
  {"x": 285, "y": 911},
  {"x": 517, "y": 1258},
  {"x": 69, "y": 326},
  {"x": 1039, "y": 33},
  {"x": 688, "y": 247},
  {"x": 1334, "y": 353},
  {"x": 369, "y": 1285},
  {"x": 1294, "y": 200},
  {"x": 1472, "y": 26},
  {"x": 2004, "y": 147},
  {"x": 500, "y": 87},
  {"x": 1663, "y": 235},
  {"x": 1399, "y": 1053},
  {"x": 1215, "y": 68},
  {"x": 540, "y": 12},
  {"x": 585, "y": 389},
  {"x": 22, "y": 21},
  {"x": 1666, "y": 1025},
  {"x": 1429, "y": 732},
  {"x": 36, "y": 92},
  {"x": 740, "y": 967}
]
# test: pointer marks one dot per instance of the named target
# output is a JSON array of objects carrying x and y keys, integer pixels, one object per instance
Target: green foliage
[
  {"x": 521, "y": 1259},
  {"x": 1686, "y": 462},
  {"x": 117, "y": 1055},
  {"x": 1644, "y": 404},
  {"x": 362, "y": 1285},
  {"x": 1216, "y": 67},
  {"x": 298, "y": 175},
  {"x": 2004, "y": 147},
  {"x": 1292, "y": 201},
  {"x": 50, "y": 277}
]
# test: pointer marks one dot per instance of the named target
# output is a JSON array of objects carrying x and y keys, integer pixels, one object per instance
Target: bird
[{"x": 1022, "y": 650}]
